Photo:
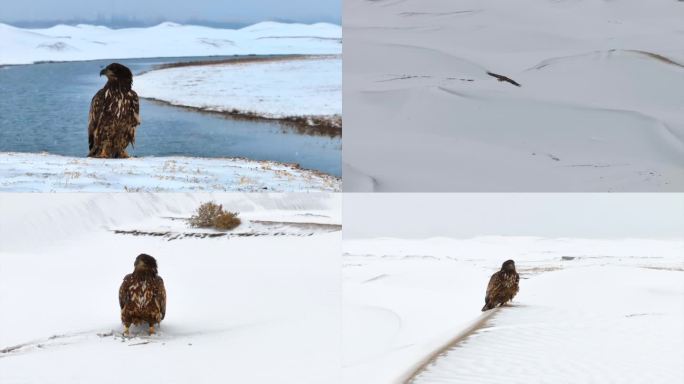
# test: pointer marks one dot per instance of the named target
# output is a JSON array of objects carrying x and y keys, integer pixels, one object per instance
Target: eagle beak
[{"x": 103, "y": 72}]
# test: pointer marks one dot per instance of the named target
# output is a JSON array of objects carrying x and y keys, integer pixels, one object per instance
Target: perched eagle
[
  {"x": 142, "y": 296},
  {"x": 502, "y": 287},
  {"x": 114, "y": 114}
]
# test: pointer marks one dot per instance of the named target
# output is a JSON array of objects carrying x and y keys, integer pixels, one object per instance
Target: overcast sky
[
  {"x": 546, "y": 215},
  {"x": 229, "y": 11}
]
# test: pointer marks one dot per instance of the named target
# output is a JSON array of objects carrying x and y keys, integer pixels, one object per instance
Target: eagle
[
  {"x": 142, "y": 296},
  {"x": 504, "y": 78},
  {"x": 502, "y": 287},
  {"x": 114, "y": 114}
]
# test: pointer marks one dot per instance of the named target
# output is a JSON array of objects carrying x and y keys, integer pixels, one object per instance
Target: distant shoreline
[
  {"x": 330, "y": 126},
  {"x": 309, "y": 125}
]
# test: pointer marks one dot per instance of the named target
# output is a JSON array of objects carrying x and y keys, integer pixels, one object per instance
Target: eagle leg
[
  {"x": 126, "y": 329},
  {"x": 151, "y": 329}
]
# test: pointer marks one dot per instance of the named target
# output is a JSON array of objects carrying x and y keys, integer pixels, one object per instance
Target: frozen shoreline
[
  {"x": 306, "y": 90},
  {"x": 31, "y": 172}
]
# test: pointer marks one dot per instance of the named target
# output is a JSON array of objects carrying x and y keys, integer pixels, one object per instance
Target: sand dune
[
  {"x": 91, "y": 42},
  {"x": 228, "y": 298},
  {"x": 619, "y": 325},
  {"x": 598, "y": 110},
  {"x": 589, "y": 310}
]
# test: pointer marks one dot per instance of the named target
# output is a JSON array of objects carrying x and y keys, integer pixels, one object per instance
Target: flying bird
[
  {"x": 502, "y": 287},
  {"x": 142, "y": 296},
  {"x": 114, "y": 114},
  {"x": 503, "y": 78}
]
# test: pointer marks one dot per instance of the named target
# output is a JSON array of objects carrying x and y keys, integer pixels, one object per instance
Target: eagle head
[
  {"x": 116, "y": 72},
  {"x": 508, "y": 266},
  {"x": 145, "y": 263}
]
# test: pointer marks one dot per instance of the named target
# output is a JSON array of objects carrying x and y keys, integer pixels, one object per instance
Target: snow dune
[
  {"x": 599, "y": 108},
  {"x": 280, "y": 88},
  {"x": 582, "y": 325},
  {"x": 258, "y": 309},
  {"x": 27, "y": 172},
  {"x": 89, "y": 42},
  {"x": 405, "y": 300}
]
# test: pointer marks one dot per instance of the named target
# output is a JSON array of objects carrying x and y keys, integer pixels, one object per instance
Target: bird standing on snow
[
  {"x": 502, "y": 287},
  {"x": 114, "y": 114},
  {"x": 142, "y": 296}
]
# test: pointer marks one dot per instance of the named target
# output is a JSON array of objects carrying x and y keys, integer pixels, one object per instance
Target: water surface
[{"x": 44, "y": 108}]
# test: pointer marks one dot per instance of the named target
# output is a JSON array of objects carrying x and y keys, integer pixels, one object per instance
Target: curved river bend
[{"x": 44, "y": 108}]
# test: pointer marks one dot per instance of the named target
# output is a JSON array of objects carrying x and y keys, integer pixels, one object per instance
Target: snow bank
[
  {"x": 598, "y": 110},
  {"x": 309, "y": 86},
  {"x": 25, "y": 215},
  {"x": 258, "y": 309},
  {"x": 29, "y": 172},
  {"x": 89, "y": 42},
  {"x": 404, "y": 299},
  {"x": 582, "y": 325}
]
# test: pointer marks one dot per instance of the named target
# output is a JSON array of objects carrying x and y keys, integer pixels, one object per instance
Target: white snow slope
[
  {"x": 89, "y": 42},
  {"x": 599, "y": 107},
  {"x": 30, "y": 172},
  {"x": 588, "y": 311},
  {"x": 308, "y": 86},
  {"x": 248, "y": 309}
]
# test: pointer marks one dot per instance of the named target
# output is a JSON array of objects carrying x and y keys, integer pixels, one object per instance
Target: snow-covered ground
[
  {"x": 249, "y": 309},
  {"x": 29, "y": 172},
  {"x": 599, "y": 107},
  {"x": 298, "y": 87},
  {"x": 89, "y": 42},
  {"x": 596, "y": 310}
]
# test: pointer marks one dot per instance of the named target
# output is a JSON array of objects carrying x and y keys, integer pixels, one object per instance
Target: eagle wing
[
  {"x": 493, "y": 286},
  {"x": 504, "y": 78},
  {"x": 135, "y": 105},
  {"x": 517, "y": 286},
  {"x": 123, "y": 291},
  {"x": 493, "y": 289},
  {"x": 94, "y": 116},
  {"x": 160, "y": 296}
]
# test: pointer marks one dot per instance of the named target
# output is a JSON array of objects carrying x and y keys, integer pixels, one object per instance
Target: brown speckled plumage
[
  {"x": 502, "y": 287},
  {"x": 142, "y": 296},
  {"x": 114, "y": 114}
]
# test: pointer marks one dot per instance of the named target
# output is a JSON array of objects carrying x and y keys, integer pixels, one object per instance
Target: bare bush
[{"x": 212, "y": 215}]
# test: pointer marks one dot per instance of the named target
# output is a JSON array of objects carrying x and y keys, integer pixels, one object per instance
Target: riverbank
[
  {"x": 40, "y": 172},
  {"x": 27, "y": 126},
  {"x": 302, "y": 90}
]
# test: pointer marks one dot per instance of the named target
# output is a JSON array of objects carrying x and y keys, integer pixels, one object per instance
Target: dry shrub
[{"x": 212, "y": 215}]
